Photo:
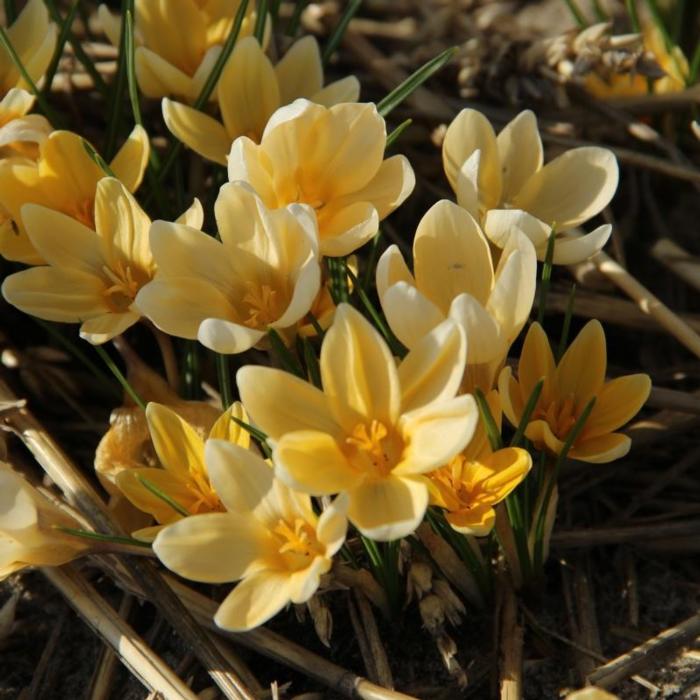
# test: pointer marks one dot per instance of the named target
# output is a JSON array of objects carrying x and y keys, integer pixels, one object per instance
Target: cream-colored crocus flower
[
  {"x": 250, "y": 90},
  {"x": 455, "y": 278},
  {"x": 263, "y": 273},
  {"x": 182, "y": 475},
  {"x": 375, "y": 429},
  {"x": 33, "y": 37},
  {"x": 91, "y": 276},
  {"x": 178, "y": 41},
  {"x": 331, "y": 158},
  {"x": 489, "y": 172},
  {"x": 269, "y": 538},
  {"x": 591, "y": 694},
  {"x": 478, "y": 479},
  {"x": 28, "y": 522},
  {"x": 64, "y": 178},
  {"x": 568, "y": 388}
]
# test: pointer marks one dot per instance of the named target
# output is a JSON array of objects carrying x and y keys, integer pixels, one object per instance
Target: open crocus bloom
[
  {"x": 375, "y": 429},
  {"x": 27, "y": 527},
  {"x": 506, "y": 172},
  {"x": 182, "y": 475},
  {"x": 33, "y": 37},
  {"x": 455, "y": 278},
  {"x": 331, "y": 158},
  {"x": 249, "y": 90},
  {"x": 264, "y": 273},
  {"x": 91, "y": 276},
  {"x": 478, "y": 479},
  {"x": 269, "y": 537},
  {"x": 178, "y": 41},
  {"x": 567, "y": 390},
  {"x": 64, "y": 178}
]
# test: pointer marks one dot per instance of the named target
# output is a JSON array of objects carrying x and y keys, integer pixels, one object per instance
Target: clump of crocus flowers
[{"x": 356, "y": 422}]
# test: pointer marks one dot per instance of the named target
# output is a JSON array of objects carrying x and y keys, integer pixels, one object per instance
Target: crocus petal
[
  {"x": 581, "y": 371},
  {"x": 520, "y": 151},
  {"x": 333, "y": 524},
  {"x": 574, "y": 248},
  {"x": 193, "y": 216},
  {"x": 56, "y": 294},
  {"x": 111, "y": 24},
  {"x": 225, "y": 428},
  {"x": 306, "y": 288},
  {"x": 300, "y": 72},
  {"x": 227, "y": 337},
  {"x": 540, "y": 433},
  {"x": 601, "y": 449},
  {"x": 467, "y": 190},
  {"x": 536, "y": 362},
  {"x": 511, "y": 398},
  {"x": 344, "y": 90},
  {"x": 30, "y": 129},
  {"x": 572, "y": 188},
  {"x": 304, "y": 583},
  {"x": 477, "y": 521},
  {"x": 435, "y": 433},
  {"x": 509, "y": 466},
  {"x": 433, "y": 369},
  {"x": 451, "y": 256},
  {"x": 617, "y": 402},
  {"x": 501, "y": 224},
  {"x": 246, "y": 162},
  {"x": 102, "y": 328},
  {"x": 392, "y": 268},
  {"x": 388, "y": 509},
  {"x": 176, "y": 442},
  {"x": 130, "y": 162},
  {"x": 358, "y": 371},
  {"x": 280, "y": 403},
  {"x": 197, "y": 130},
  {"x": 485, "y": 342},
  {"x": 343, "y": 230},
  {"x": 254, "y": 601},
  {"x": 179, "y": 305},
  {"x": 158, "y": 78},
  {"x": 248, "y": 90},
  {"x": 312, "y": 462},
  {"x": 199, "y": 547},
  {"x": 410, "y": 314},
  {"x": 471, "y": 131},
  {"x": 16, "y": 103}
]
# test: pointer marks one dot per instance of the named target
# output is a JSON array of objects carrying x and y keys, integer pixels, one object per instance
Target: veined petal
[
  {"x": 345, "y": 228},
  {"x": 129, "y": 164},
  {"x": 225, "y": 428},
  {"x": 197, "y": 130},
  {"x": 433, "y": 369},
  {"x": 179, "y": 305},
  {"x": 410, "y": 314},
  {"x": 305, "y": 582},
  {"x": 34, "y": 128},
  {"x": 358, "y": 371},
  {"x": 300, "y": 72},
  {"x": 193, "y": 216},
  {"x": 16, "y": 103},
  {"x": 392, "y": 268},
  {"x": 581, "y": 371},
  {"x": 468, "y": 132},
  {"x": 617, "y": 402},
  {"x": 540, "y": 433},
  {"x": 509, "y": 467},
  {"x": 56, "y": 294},
  {"x": 306, "y": 288},
  {"x": 312, "y": 462},
  {"x": 243, "y": 220},
  {"x": 572, "y": 188},
  {"x": 485, "y": 342},
  {"x": 500, "y": 225},
  {"x": 467, "y": 190},
  {"x": 177, "y": 444},
  {"x": 248, "y": 90},
  {"x": 247, "y": 162},
  {"x": 100, "y": 329},
  {"x": 477, "y": 521},
  {"x": 573, "y": 249},
  {"x": 227, "y": 337},
  {"x": 280, "y": 403},
  {"x": 520, "y": 151},
  {"x": 254, "y": 601},
  {"x": 333, "y": 524},
  {"x": 435, "y": 433},
  {"x": 390, "y": 508},
  {"x": 601, "y": 449},
  {"x": 344, "y": 90},
  {"x": 536, "y": 362},
  {"x": 451, "y": 256},
  {"x": 158, "y": 78},
  {"x": 200, "y": 547},
  {"x": 511, "y": 396}
]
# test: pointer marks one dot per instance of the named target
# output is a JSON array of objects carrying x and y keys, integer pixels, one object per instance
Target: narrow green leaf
[
  {"x": 311, "y": 361},
  {"x": 119, "y": 376},
  {"x": 545, "y": 280},
  {"x": 527, "y": 414},
  {"x": 117, "y": 90},
  {"x": 336, "y": 37},
  {"x": 339, "y": 286},
  {"x": 260, "y": 21},
  {"x": 633, "y": 15},
  {"x": 100, "y": 537},
  {"x": 98, "y": 159},
  {"x": 255, "y": 432},
  {"x": 394, "y": 135},
  {"x": 414, "y": 81},
  {"x": 492, "y": 431},
  {"x": 295, "y": 20},
  {"x": 158, "y": 493},
  {"x": 223, "y": 371},
  {"x": 60, "y": 46},
  {"x": 283, "y": 354},
  {"x": 576, "y": 13}
]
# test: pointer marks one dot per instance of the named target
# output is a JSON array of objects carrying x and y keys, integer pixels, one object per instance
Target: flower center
[
  {"x": 298, "y": 543},
  {"x": 262, "y": 302},
  {"x": 559, "y": 414},
  {"x": 206, "y": 499},
  {"x": 84, "y": 212},
  {"x": 373, "y": 449},
  {"x": 120, "y": 295}
]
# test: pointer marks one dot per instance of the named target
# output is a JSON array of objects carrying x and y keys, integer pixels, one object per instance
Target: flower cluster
[{"x": 372, "y": 390}]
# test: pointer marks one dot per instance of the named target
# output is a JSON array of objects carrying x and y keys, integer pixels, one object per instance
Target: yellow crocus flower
[
  {"x": 591, "y": 694},
  {"x": 455, "y": 277},
  {"x": 478, "y": 479},
  {"x": 178, "y": 41},
  {"x": 249, "y": 90},
  {"x": 33, "y": 37},
  {"x": 331, "y": 158},
  {"x": 263, "y": 273},
  {"x": 182, "y": 475},
  {"x": 375, "y": 429},
  {"x": 64, "y": 178},
  {"x": 568, "y": 387},
  {"x": 28, "y": 522},
  {"x": 492, "y": 174},
  {"x": 269, "y": 538},
  {"x": 91, "y": 276}
]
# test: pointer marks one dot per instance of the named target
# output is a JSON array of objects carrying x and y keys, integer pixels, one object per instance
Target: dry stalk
[
  {"x": 678, "y": 260},
  {"x": 510, "y": 645}
]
